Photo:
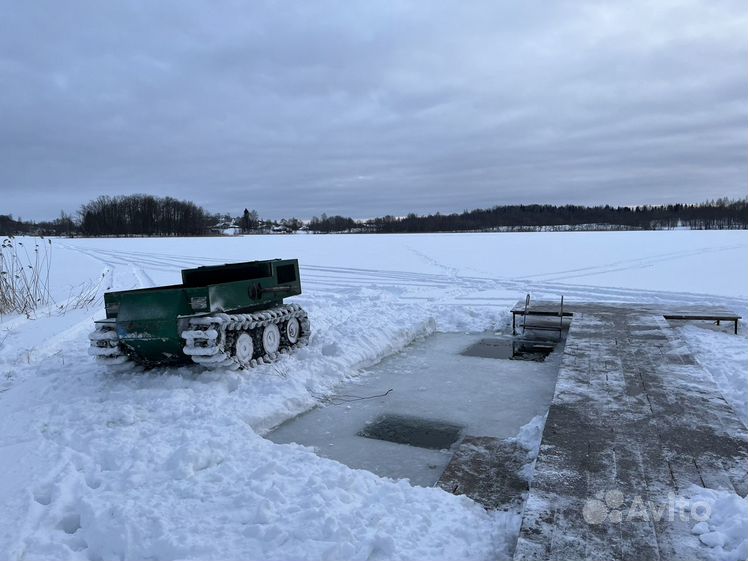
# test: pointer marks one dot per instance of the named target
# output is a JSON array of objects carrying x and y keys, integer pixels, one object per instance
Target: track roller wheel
[
  {"x": 291, "y": 330},
  {"x": 271, "y": 338},
  {"x": 244, "y": 349}
]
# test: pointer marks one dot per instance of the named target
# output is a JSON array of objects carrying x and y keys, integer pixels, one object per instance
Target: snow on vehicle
[{"x": 225, "y": 316}]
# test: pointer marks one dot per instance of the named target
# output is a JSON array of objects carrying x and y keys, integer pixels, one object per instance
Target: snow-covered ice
[{"x": 171, "y": 463}]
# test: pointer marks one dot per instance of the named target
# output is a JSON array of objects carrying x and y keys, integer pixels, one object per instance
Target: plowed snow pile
[{"x": 171, "y": 464}]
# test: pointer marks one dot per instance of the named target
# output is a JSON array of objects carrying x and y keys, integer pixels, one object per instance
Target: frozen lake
[
  {"x": 432, "y": 381},
  {"x": 156, "y": 444}
]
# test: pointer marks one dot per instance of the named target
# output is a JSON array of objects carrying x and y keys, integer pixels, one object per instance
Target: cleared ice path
[{"x": 431, "y": 380}]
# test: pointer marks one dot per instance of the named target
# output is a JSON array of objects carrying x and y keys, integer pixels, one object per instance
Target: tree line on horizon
[
  {"x": 147, "y": 215},
  {"x": 711, "y": 215}
]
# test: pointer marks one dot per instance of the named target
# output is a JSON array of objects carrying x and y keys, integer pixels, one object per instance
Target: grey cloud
[{"x": 368, "y": 108}]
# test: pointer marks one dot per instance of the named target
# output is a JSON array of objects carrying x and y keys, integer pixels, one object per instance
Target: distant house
[{"x": 226, "y": 228}]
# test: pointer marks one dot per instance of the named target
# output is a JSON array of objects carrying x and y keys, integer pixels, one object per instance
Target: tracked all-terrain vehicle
[{"x": 226, "y": 316}]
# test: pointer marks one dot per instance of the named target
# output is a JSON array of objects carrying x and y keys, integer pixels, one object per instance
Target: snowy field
[{"x": 171, "y": 463}]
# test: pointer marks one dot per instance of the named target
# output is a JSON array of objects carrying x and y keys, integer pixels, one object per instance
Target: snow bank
[
  {"x": 250, "y": 499},
  {"x": 725, "y": 531},
  {"x": 529, "y": 438},
  {"x": 725, "y": 356},
  {"x": 531, "y": 434}
]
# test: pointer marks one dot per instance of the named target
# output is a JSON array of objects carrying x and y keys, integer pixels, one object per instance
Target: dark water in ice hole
[
  {"x": 413, "y": 431},
  {"x": 438, "y": 395},
  {"x": 511, "y": 348}
]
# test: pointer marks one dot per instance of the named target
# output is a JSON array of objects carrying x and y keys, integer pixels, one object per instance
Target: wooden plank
[
  {"x": 540, "y": 308},
  {"x": 713, "y": 317},
  {"x": 623, "y": 419},
  {"x": 488, "y": 470},
  {"x": 542, "y": 327}
]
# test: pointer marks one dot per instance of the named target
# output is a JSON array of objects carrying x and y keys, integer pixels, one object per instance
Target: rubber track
[
  {"x": 207, "y": 336},
  {"x": 105, "y": 345}
]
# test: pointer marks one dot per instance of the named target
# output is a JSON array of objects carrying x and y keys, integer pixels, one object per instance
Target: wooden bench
[{"x": 707, "y": 315}]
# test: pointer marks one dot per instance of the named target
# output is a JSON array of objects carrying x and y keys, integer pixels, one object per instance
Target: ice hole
[
  {"x": 536, "y": 349},
  {"x": 517, "y": 348},
  {"x": 414, "y": 431},
  {"x": 433, "y": 382},
  {"x": 493, "y": 347}
]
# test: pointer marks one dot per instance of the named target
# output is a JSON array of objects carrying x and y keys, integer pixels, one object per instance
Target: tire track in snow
[{"x": 628, "y": 264}]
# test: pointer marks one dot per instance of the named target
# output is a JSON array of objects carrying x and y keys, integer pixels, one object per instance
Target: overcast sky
[{"x": 371, "y": 107}]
